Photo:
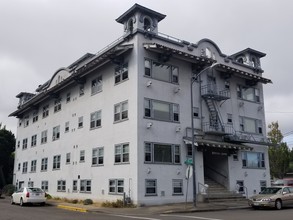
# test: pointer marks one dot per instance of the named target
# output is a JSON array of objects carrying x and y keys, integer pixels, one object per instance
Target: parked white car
[{"x": 28, "y": 195}]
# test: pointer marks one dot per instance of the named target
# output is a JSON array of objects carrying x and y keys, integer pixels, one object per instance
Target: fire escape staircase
[{"x": 212, "y": 97}]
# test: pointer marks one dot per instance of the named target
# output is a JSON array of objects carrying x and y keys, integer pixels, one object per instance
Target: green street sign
[{"x": 188, "y": 161}]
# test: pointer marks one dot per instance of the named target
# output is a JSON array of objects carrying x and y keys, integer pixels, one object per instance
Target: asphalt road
[{"x": 15, "y": 212}]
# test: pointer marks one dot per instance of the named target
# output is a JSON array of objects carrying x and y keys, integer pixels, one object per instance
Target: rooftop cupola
[{"x": 140, "y": 18}]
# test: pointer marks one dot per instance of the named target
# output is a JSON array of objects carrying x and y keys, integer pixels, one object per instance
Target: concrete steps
[{"x": 218, "y": 193}]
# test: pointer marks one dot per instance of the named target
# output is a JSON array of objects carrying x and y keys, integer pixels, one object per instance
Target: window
[
  {"x": 35, "y": 116},
  {"x": 263, "y": 185},
  {"x": 81, "y": 156},
  {"x": 24, "y": 167},
  {"x": 161, "y": 71},
  {"x": 67, "y": 158},
  {"x": 116, "y": 186},
  {"x": 253, "y": 160},
  {"x": 44, "y": 137},
  {"x": 162, "y": 153},
  {"x": 81, "y": 90},
  {"x": 68, "y": 97},
  {"x": 195, "y": 112},
  {"x": 97, "y": 85},
  {"x": 229, "y": 118},
  {"x": 80, "y": 122},
  {"x": 30, "y": 184},
  {"x": 61, "y": 185},
  {"x": 150, "y": 187},
  {"x": 18, "y": 144},
  {"x": 56, "y": 133},
  {"x": 45, "y": 185},
  {"x": 98, "y": 156},
  {"x": 56, "y": 162},
  {"x": 248, "y": 93},
  {"x": 26, "y": 121},
  {"x": 66, "y": 126},
  {"x": 177, "y": 186},
  {"x": 44, "y": 164},
  {"x": 122, "y": 153},
  {"x": 160, "y": 110},
  {"x": 19, "y": 166},
  {"x": 250, "y": 125},
  {"x": 74, "y": 186},
  {"x": 57, "y": 105},
  {"x": 24, "y": 144},
  {"x": 121, "y": 111},
  {"x": 240, "y": 186},
  {"x": 33, "y": 165},
  {"x": 34, "y": 140},
  {"x": 96, "y": 119},
  {"x": 147, "y": 24},
  {"x": 121, "y": 73},
  {"x": 45, "y": 111},
  {"x": 85, "y": 186},
  {"x": 235, "y": 157}
]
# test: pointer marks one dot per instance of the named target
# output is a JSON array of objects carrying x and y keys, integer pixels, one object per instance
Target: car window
[
  {"x": 271, "y": 190},
  {"x": 286, "y": 190},
  {"x": 36, "y": 190},
  {"x": 290, "y": 189},
  {"x": 20, "y": 190}
]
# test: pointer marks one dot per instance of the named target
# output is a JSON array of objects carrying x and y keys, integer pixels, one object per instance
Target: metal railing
[
  {"x": 217, "y": 127},
  {"x": 203, "y": 190},
  {"x": 212, "y": 90}
]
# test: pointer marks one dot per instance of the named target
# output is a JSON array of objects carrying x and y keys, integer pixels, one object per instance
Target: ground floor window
[
  {"x": 85, "y": 186},
  {"x": 240, "y": 186},
  {"x": 116, "y": 186},
  {"x": 263, "y": 185},
  {"x": 30, "y": 184},
  {"x": 177, "y": 186},
  {"x": 253, "y": 160},
  {"x": 151, "y": 187},
  {"x": 61, "y": 185},
  {"x": 74, "y": 186},
  {"x": 45, "y": 185}
]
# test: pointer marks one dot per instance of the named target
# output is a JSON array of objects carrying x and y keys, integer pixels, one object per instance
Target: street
[{"x": 15, "y": 212}]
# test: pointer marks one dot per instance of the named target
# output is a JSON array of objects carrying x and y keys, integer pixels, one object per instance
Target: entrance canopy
[{"x": 216, "y": 144}]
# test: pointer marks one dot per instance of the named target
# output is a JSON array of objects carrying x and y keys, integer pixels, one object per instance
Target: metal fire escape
[{"x": 212, "y": 97}]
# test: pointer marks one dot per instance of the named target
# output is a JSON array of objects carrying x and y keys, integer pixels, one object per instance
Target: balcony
[
  {"x": 241, "y": 137},
  {"x": 209, "y": 91},
  {"x": 217, "y": 128}
]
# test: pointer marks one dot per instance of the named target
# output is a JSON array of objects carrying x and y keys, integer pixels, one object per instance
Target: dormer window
[
  {"x": 253, "y": 62},
  {"x": 240, "y": 60},
  {"x": 130, "y": 25},
  {"x": 147, "y": 24}
]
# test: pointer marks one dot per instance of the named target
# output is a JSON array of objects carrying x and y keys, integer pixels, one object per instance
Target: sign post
[{"x": 188, "y": 174}]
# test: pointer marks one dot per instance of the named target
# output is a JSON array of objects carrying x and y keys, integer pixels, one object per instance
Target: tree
[
  {"x": 279, "y": 153},
  {"x": 7, "y": 147}
]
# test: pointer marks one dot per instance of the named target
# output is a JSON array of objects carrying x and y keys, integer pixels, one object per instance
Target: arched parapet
[
  {"x": 60, "y": 75},
  {"x": 208, "y": 48}
]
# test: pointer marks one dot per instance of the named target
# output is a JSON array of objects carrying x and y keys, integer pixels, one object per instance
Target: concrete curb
[{"x": 71, "y": 208}]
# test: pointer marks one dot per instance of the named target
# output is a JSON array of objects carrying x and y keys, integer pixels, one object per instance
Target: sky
[{"x": 37, "y": 37}]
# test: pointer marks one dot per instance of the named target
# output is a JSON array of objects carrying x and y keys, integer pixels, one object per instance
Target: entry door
[{"x": 20, "y": 184}]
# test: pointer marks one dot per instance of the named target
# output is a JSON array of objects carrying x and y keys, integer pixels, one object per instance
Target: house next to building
[{"x": 119, "y": 122}]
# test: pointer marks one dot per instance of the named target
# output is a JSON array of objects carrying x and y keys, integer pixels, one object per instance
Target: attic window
[
  {"x": 240, "y": 60},
  {"x": 130, "y": 25},
  {"x": 147, "y": 24}
]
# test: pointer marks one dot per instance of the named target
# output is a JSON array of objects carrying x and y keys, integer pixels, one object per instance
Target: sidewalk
[{"x": 159, "y": 209}]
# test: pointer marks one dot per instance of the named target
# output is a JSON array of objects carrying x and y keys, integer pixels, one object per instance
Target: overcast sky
[{"x": 37, "y": 37}]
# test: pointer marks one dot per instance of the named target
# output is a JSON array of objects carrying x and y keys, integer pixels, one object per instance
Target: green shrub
[
  {"x": 48, "y": 196},
  {"x": 117, "y": 204},
  {"x": 8, "y": 189},
  {"x": 87, "y": 202},
  {"x": 74, "y": 201}
]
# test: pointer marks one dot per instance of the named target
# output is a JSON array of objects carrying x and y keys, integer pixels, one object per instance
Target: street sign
[
  {"x": 189, "y": 171},
  {"x": 188, "y": 161}
]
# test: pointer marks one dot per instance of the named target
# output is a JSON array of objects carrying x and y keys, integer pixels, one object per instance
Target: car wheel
[
  {"x": 42, "y": 203},
  {"x": 278, "y": 204},
  {"x": 11, "y": 201},
  {"x": 255, "y": 207},
  {"x": 21, "y": 202}
]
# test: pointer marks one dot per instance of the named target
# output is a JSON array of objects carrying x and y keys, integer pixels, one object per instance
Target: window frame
[
  {"x": 258, "y": 127},
  {"x": 150, "y": 153},
  {"x": 96, "y": 119},
  {"x": 34, "y": 140},
  {"x": 68, "y": 158},
  {"x": 173, "y": 76},
  {"x": 82, "y": 156},
  {"x": 24, "y": 143},
  {"x": 61, "y": 185},
  {"x": 45, "y": 185},
  {"x": 120, "y": 155},
  {"x": 33, "y": 166},
  {"x": 98, "y": 155},
  {"x": 57, "y": 105},
  {"x": 120, "y": 73},
  {"x": 85, "y": 186},
  {"x": 24, "y": 167},
  {"x": 116, "y": 188},
  {"x": 97, "y": 85},
  {"x": 147, "y": 186},
  {"x": 56, "y": 133},
  {"x": 45, "y": 113},
  {"x": 258, "y": 164},
  {"x": 44, "y": 137},
  {"x": 149, "y": 111},
  {"x": 120, "y": 113},
  {"x": 44, "y": 164},
  {"x": 57, "y": 162},
  {"x": 255, "y": 93},
  {"x": 35, "y": 116},
  {"x": 175, "y": 186},
  {"x": 80, "y": 122}
]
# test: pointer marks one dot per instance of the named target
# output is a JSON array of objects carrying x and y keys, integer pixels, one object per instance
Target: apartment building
[{"x": 119, "y": 122}]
